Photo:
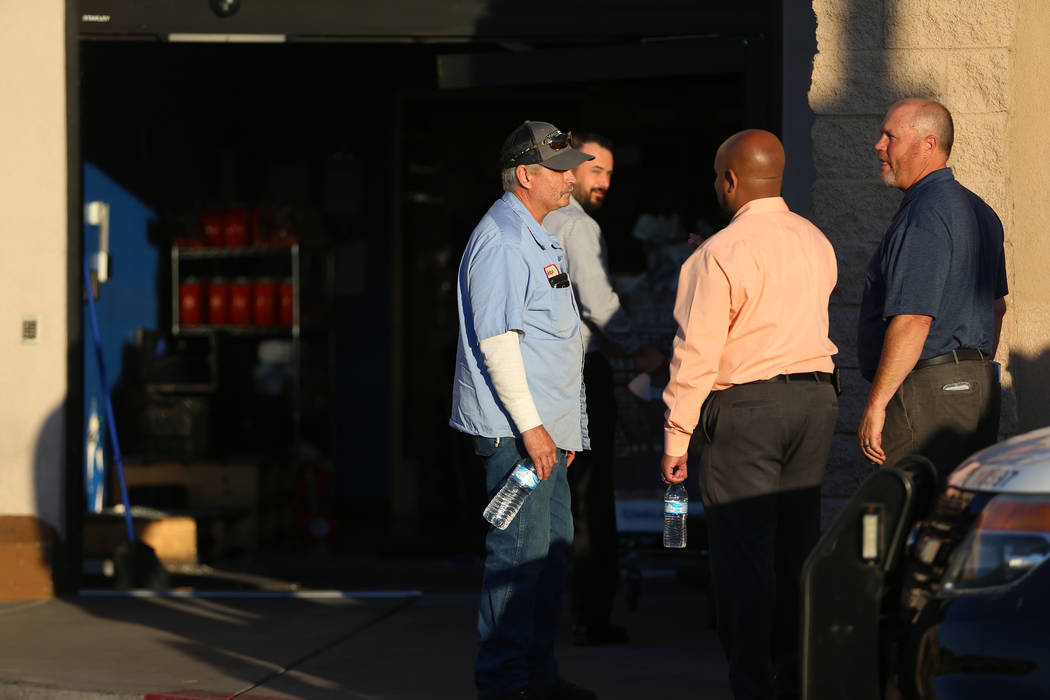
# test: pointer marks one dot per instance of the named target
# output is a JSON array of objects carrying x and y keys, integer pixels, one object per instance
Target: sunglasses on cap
[{"x": 556, "y": 140}]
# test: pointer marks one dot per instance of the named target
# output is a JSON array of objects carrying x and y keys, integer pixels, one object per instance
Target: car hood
[{"x": 1018, "y": 465}]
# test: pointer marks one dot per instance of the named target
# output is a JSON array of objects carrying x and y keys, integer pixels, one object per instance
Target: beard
[
  {"x": 588, "y": 201},
  {"x": 889, "y": 178},
  {"x": 723, "y": 218},
  {"x": 724, "y": 215}
]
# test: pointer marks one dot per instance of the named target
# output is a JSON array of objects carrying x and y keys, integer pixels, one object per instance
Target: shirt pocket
[
  {"x": 565, "y": 316},
  {"x": 555, "y": 312}
]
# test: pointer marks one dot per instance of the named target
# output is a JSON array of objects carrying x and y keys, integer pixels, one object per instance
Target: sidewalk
[{"x": 368, "y": 644}]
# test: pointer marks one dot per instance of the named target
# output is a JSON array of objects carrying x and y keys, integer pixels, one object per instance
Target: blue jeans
[{"x": 525, "y": 570}]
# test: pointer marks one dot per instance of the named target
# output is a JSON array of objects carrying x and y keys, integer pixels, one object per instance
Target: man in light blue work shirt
[{"x": 518, "y": 392}]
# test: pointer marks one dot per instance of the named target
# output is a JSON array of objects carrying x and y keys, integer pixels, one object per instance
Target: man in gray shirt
[{"x": 606, "y": 327}]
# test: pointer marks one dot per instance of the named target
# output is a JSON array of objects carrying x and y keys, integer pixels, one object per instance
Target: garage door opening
[{"x": 347, "y": 177}]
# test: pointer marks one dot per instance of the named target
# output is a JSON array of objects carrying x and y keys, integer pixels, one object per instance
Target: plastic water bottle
[
  {"x": 505, "y": 505},
  {"x": 676, "y": 507}
]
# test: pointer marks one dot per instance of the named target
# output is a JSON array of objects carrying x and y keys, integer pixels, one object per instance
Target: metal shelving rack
[{"x": 179, "y": 255}]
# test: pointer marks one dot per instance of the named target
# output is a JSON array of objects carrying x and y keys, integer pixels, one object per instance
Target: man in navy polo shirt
[
  {"x": 519, "y": 392},
  {"x": 934, "y": 299}
]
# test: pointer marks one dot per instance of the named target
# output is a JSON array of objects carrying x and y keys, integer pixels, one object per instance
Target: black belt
[
  {"x": 958, "y": 355},
  {"x": 821, "y": 377}
]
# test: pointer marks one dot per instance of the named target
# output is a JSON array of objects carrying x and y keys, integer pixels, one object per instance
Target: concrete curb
[
  {"x": 208, "y": 695},
  {"x": 15, "y": 690}
]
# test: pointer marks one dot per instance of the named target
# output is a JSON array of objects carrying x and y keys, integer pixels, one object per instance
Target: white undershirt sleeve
[{"x": 504, "y": 364}]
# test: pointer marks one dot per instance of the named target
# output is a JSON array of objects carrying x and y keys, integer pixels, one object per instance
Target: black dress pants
[
  {"x": 765, "y": 449},
  {"x": 594, "y": 573}
]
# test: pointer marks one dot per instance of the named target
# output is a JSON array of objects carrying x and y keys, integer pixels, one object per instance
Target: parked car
[{"x": 922, "y": 591}]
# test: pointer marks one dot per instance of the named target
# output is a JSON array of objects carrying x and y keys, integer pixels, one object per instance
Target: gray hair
[
  {"x": 509, "y": 176},
  {"x": 510, "y": 179}
]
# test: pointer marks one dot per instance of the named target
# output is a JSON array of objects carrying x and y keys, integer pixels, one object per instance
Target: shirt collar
[
  {"x": 540, "y": 234},
  {"x": 939, "y": 175},
  {"x": 761, "y": 206}
]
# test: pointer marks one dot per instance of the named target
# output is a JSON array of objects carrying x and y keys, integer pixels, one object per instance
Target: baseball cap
[{"x": 540, "y": 143}]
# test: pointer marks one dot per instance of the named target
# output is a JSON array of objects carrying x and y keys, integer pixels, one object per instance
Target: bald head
[
  {"x": 929, "y": 118},
  {"x": 749, "y": 165}
]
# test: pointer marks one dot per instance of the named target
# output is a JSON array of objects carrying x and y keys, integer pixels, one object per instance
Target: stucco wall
[
  {"x": 869, "y": 54},
  {"x": 1028, "y": 153},
  {"x": 33, "y": 259}
]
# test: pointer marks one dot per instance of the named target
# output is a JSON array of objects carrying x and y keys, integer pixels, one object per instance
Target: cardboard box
[
  {"x": 172, "y": 537},
  {"x": 27, "y": 553}
]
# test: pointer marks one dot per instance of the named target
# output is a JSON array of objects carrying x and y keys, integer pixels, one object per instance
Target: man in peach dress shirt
[{"x": 752, "y": 367}]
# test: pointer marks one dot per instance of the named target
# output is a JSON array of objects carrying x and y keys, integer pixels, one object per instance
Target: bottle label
[
  {"x": 676, "y": 507},
  {"x": 526, "y": 477}
]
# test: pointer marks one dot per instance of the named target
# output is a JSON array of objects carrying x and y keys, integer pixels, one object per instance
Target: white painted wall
[{"x": 33, "y": 242}]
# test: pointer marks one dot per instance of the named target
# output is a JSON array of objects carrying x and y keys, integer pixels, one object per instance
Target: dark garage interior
[{"x": 372, "y": 159}]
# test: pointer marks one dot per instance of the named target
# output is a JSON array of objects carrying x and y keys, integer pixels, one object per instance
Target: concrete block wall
[
  {"x": 871, "y": 53},
  {"x": 1028, "y": 318}
]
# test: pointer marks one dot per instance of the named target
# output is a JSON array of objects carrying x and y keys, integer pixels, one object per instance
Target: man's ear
[
  {"x": 731, "y": 181},
  {"x": 524, "y": 176},
  {"x": 930, "y": 143}
]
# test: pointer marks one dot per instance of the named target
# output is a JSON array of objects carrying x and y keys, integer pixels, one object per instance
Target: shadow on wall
[
  {"x": 849, "y": 90},
  {"x": 48, "y": 460},
  {"x": 31, "y": 546},
  {"x": 1031, "y": 376}
]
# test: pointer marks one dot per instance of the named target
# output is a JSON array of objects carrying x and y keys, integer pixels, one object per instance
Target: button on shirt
[
  {"x": 586, "y": 261},
  {"x": 942, "y": 256},
  {"x": 504, "y": 286},
  {"x": 752, "y": 303}
]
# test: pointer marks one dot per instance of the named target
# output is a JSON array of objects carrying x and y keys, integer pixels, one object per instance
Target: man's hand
[
  {"x": 649, "y": 359},
  {"x": 569, "y": 456},
  {"x": 674, "y": 470},
  {"x": 901, "y": 349},
  {"x": 541, "y": 448},
  {"x": 870, "y": 434}
]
